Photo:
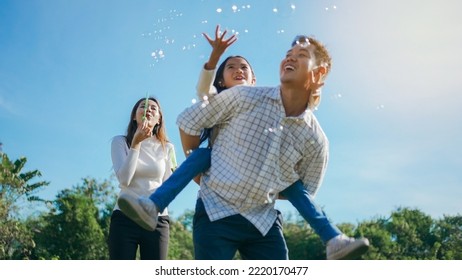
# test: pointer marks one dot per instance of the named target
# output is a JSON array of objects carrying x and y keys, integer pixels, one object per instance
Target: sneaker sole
[
  {"x": 130, "y": 206},
  {"x": 359, "y": 247}
]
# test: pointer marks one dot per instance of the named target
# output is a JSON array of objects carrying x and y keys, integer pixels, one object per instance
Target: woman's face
[
  {"x": 152, "y": 113},
  {"x": 237, "y": 72}
]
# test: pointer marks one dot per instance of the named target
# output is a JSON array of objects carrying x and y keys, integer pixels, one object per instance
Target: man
[{"x": 269, "y": 138}]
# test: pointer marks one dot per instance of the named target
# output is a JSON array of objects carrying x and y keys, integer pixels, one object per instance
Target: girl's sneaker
[{"x": 343, "y": 247}]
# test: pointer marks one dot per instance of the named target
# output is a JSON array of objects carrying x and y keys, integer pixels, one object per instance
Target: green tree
[
  {"x": 448, "y": 234},
  {"x": 15, "y": 240},
  {"x": 412, "y": 230},
  {"x": 382, "y": 245},
  {"x": 103, "y": 195},
  {"x": 76, "y": 227},
  {"x": 16, "y": 184},
  {"x": 180, "y": 245},
  {"x": 410, "y": 234},
  {"x": 303, "y": 243}
]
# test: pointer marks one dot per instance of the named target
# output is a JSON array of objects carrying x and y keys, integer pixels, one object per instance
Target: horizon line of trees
[{"x": 75, "y": 226}]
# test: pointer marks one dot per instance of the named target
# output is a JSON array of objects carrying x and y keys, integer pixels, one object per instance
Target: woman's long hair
[{"x": 158, "y": 130}]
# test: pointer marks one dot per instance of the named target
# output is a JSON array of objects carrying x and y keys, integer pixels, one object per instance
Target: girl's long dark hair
[
  {"x": 219, "y": 84},
  {"x": 158, "y": 130}
]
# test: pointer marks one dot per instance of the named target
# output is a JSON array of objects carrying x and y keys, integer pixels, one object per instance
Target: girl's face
[
  {"x": 237, "y": 72},
  {"x": 152, "y": 113}
]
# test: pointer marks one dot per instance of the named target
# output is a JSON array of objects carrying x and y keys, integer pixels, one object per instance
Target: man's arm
[{"x": 189, "y": 142}]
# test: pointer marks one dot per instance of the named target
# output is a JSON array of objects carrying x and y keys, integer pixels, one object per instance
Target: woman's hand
[{"x": 143, "y": 132}]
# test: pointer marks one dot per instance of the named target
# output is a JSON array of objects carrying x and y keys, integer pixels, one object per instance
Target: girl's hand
[{"x": 219, "y": 46}]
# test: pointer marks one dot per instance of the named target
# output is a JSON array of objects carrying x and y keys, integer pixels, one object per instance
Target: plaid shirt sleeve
[
  {"x": 312, "y": 168},
  {"x": 208, "y": 113}
]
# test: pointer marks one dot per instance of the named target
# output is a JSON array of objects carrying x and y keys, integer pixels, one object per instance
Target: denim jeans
[
  {"x": 312, "y": 213},
  {"x": 221, "y": 239},
  {"x": 125, "y": 236},
  {"x": 196, "y": 163}
]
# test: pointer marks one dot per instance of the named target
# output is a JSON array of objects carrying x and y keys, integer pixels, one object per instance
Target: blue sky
[{"x": 70, "y": 72}]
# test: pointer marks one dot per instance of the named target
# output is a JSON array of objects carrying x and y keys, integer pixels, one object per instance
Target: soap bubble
[
  {"x": 271, "y": 196},
  {"x": 284, "y": 8}
]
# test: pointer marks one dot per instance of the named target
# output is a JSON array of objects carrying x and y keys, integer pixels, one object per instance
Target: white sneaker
[
  {"x": 139, "y": 209},
  {"x": 343, "y": 247}
]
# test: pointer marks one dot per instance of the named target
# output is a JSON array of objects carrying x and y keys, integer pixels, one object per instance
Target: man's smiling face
[{"x": 296, "y": 65}]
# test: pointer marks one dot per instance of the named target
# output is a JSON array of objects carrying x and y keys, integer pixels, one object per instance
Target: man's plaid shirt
[{"x": 258, "y": 152}]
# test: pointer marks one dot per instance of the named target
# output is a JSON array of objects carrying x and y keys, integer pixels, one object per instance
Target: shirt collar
[
  {"x": 306, "y": 116},
  {"x": 275, "y": 94}
]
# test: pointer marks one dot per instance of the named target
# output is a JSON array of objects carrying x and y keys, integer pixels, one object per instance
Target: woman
[{"x": 142, "y": 159}]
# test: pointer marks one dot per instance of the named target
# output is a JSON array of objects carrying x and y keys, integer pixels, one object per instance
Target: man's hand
[{"x": 315, "y": 80}]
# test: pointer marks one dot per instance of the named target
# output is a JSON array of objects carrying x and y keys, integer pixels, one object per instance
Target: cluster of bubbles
[
  {"x": 274, "y": 129},
  {"x": 161, "y": 33},
  {"x": 336, "y": 96},
  {"x": 205, "y": 101},
  {"x": 302, "y": 41},
  {"x": 164, "y": 34},
  {"x": 191, "y": 45},
  {"x": 157, "y": 54},
  {"x": 284, "y": 10},
  {"x": 234, "y": 8},
  {"x": 332, "y": 8},
  {"x": 161, "y": 26}
]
